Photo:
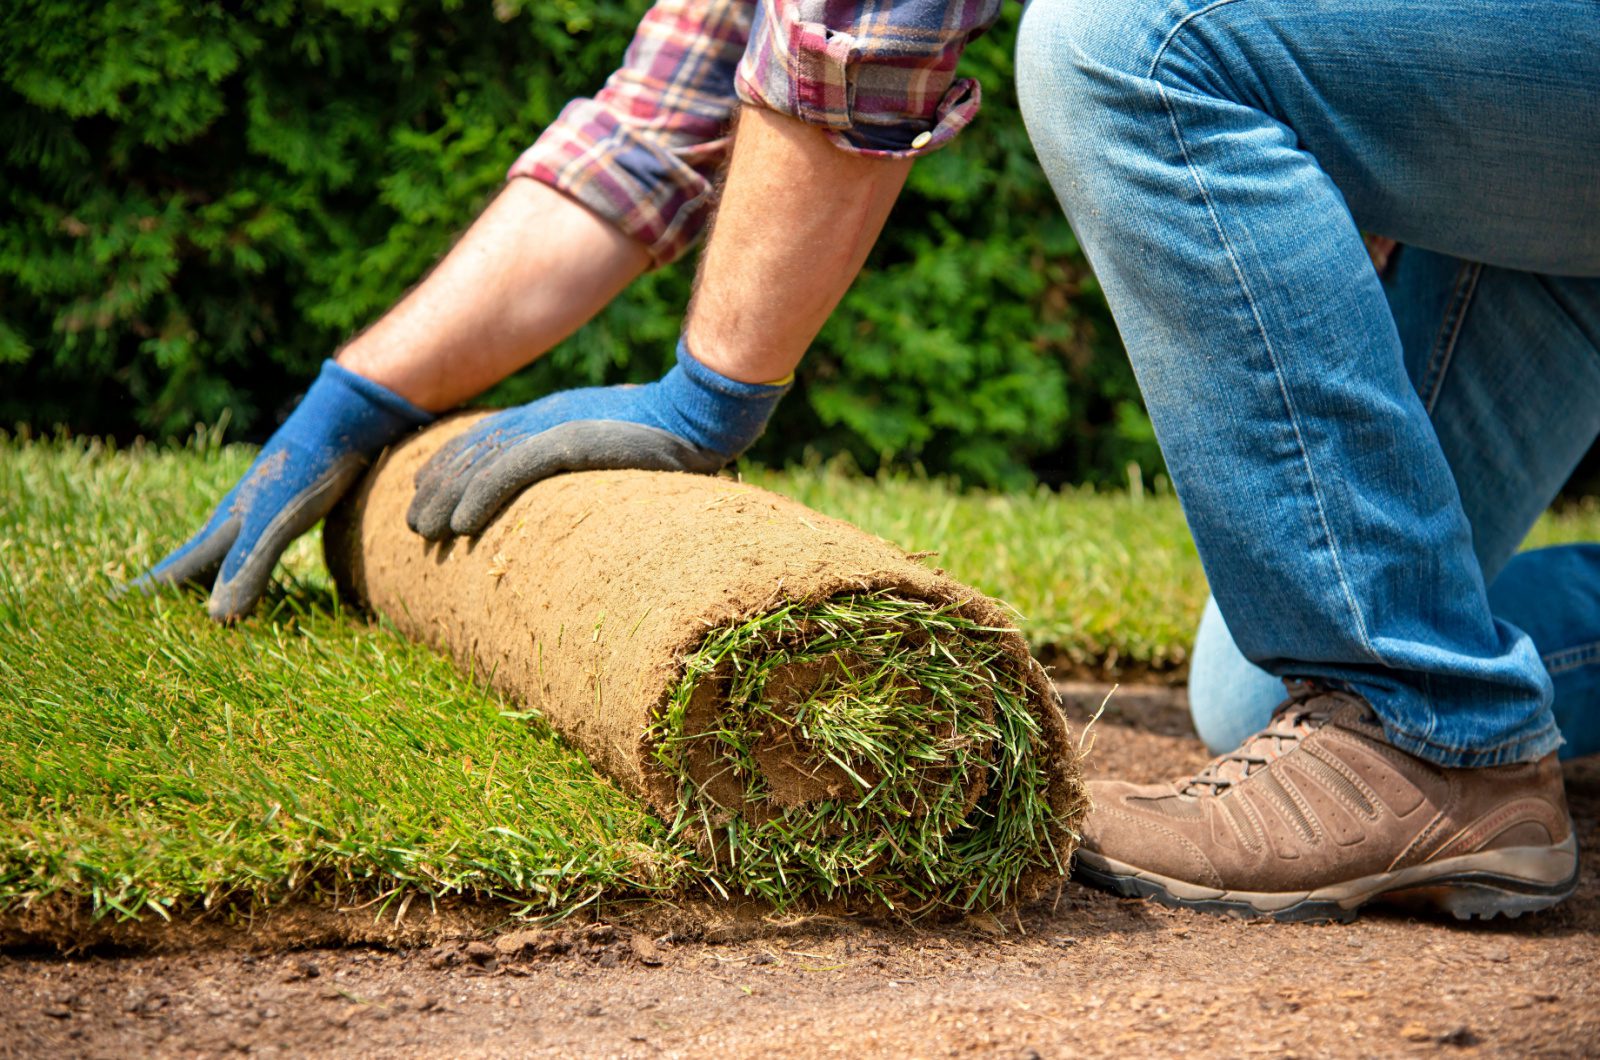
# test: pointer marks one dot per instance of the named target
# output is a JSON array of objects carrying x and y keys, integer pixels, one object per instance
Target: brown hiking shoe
[{"x": 1317, "y": 815}]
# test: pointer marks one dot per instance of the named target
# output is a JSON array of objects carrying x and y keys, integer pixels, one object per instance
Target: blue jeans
[
  {"x": 1356, "y": 458},
  {"x": 1552, "y": 594}
]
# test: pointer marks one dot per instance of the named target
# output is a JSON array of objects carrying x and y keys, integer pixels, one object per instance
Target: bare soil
[{"x": 1077, "y": 973}]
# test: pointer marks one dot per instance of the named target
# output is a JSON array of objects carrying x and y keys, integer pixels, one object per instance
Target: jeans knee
[
  {"x": 1062, "y": 38},
  {"x": 1061, "y": 46},
  {"x": 1079, "y": 59},
  {"x": 1081, "y": 71}
]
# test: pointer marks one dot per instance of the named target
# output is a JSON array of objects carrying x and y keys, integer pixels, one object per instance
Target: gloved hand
[
  {"x": 305, "y": 467},
  {"x": 693, "y": 419}
]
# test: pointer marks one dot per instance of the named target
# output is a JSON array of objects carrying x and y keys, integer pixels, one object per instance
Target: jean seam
[
  {"x": 1178, "y": 27},
  {"x": 1568, "y": 659},
  {"x": 1450, "y": 748},
  {"x": 1444, "y": 345},
  {"x": 1523, "y": 750},
  {"x": 1520, "y": 752},
  {"x": 1431, "y": 716},
  {"x": 1277, "y": 368}
]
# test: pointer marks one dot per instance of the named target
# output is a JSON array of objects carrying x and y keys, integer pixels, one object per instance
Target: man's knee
[
  {"x": 1094, "y": 54},
  {"x": 1083, "y": 82},
  {"x": 1076, "y": 53}
]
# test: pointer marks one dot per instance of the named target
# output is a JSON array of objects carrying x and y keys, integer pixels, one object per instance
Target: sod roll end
[{"x": 817, "y": 713}]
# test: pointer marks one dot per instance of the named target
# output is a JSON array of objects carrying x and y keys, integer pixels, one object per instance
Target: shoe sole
[{"x": 1506, "y": 882}]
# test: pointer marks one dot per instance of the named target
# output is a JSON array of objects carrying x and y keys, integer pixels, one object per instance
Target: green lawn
[{"x": 150, "y": 760}]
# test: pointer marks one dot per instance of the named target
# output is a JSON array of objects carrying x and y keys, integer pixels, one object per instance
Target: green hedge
[{"x": 202, "y": 200}]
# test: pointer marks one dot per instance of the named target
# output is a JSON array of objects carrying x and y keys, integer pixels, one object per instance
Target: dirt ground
[{"x": 1078, "y": 973}]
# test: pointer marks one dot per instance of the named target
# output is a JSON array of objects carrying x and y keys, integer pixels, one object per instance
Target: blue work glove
[
  {"x": 305, "y": 467},
  {"x": 693, "y": 419}
]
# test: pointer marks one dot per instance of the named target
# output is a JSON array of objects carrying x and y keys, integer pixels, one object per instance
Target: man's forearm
[
  {"x": 530, "y": 271},
  {"x": 797, "y": 218}
]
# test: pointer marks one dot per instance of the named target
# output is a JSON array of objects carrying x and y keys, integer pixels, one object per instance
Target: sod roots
[{"x": 817, "y": 714}]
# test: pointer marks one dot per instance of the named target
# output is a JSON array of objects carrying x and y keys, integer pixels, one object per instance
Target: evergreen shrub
[{"x": 202, "y": 200}]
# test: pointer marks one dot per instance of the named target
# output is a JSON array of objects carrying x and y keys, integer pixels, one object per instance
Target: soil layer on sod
[{"x": 820, "y": 715}]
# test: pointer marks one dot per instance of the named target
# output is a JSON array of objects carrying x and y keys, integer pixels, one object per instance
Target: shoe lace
[{"x": 1307, "y": 708}]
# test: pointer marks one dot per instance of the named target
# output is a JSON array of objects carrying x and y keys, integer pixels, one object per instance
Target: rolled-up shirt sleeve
[
  {"x": 645, "y": 151},
  {"x": 879, "y": 77}
]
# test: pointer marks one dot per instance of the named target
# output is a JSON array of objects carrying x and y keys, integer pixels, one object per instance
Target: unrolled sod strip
[{"x": 816, "y": 712}]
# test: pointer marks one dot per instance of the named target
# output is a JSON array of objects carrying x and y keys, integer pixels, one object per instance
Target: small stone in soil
[
  {"x": 302, "y": 970},
  {"x": 516, "y": 942},
  {"x": 644, "y": 950}
]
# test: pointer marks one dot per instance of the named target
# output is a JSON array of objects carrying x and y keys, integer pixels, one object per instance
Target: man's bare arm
[
  {"x": 797, "y": 218},
  {"x": 530, "y": 271}
]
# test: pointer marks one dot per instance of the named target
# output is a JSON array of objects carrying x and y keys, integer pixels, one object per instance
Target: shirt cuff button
[{"x": 922, "y": 140}]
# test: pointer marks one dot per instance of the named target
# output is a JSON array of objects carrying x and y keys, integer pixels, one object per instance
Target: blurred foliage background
[{"x": 203, "y": 200}]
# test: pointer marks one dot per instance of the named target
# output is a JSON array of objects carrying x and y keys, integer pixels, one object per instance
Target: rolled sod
[{"x": 817, "y": 713}]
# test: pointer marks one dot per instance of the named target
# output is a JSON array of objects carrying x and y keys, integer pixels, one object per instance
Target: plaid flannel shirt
[{"x": 878, "y": 76}]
